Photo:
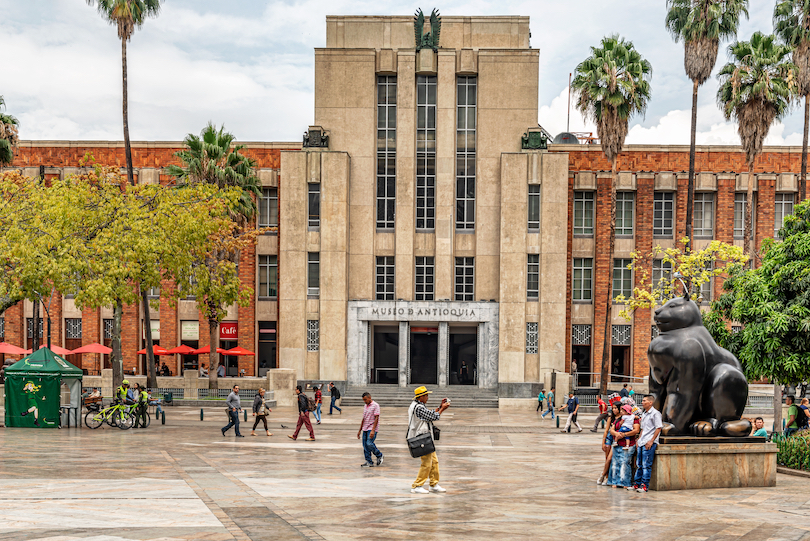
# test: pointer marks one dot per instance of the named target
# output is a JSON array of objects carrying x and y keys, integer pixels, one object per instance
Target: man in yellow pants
[{"x": 420, "y": 421}]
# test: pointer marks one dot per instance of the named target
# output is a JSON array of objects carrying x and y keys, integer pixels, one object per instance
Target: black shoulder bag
[{"x": 420, "y": 445}]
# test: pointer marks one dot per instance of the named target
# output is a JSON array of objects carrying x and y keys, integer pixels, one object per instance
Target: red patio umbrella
[
  {"x": 206, "y": 350},
  {"x": 158, "y": 350},
  {"x": 182, "y": 350},
  {"x": 93, "y": 348},
  {"x": 9, "y": 349},
  {"x": 58, "y": 350},
  {"x": 238, "y": 350}
]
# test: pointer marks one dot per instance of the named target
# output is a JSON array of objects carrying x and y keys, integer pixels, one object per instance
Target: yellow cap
[{"x": 420, "y": 391}]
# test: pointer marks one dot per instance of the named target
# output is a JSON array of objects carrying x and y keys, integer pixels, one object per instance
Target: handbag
[
  {"x": 436, "y": 432},
  {"x": 420, "y": 445}
]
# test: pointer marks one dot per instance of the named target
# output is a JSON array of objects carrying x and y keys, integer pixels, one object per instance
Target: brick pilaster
[
  {"x": 204, "y": 341},
  {"x": 247, "y": 314},
  {"x": 724, "y": 230},
  {"x": 568, "y": 276},
  {"x": 645, "y": 185},
  {"x": 15, "y": 327},
  {"x": 602, "y": 269},
  {"x": 130, "y": 337},
  {"x": 168, "y": 326},
  {"x": 766, "y": 191},
  {"x": 91, "y": 334}
]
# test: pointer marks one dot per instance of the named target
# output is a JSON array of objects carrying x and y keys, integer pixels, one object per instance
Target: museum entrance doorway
[
  {"x": 463, "y": 356},
  {"x": 385, "y": 361},
  {"x": 424, "y": 355},
  {"x": 620, "y": 363}
]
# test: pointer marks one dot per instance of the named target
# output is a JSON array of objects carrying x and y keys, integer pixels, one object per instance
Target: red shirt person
[{"x": 603, "y": 413}]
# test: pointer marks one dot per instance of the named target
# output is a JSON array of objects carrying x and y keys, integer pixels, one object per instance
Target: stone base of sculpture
[{"x": 684, "y": 463}]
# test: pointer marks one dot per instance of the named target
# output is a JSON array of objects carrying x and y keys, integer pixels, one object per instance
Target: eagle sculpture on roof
[{"x": 428, "y": 40}]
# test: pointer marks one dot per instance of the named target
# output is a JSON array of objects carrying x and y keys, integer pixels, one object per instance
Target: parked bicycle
[{"x": 117, "y": 415}]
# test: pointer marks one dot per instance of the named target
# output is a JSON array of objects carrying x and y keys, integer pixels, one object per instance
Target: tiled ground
[{"x": 508, "y": 476}]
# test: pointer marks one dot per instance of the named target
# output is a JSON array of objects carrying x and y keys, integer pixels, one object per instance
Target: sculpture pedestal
[{"x": 683, "y": 463}]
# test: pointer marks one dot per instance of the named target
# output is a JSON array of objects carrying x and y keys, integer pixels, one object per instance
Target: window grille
[
  {"x": 73, "y": 328},
  {"x": 531, "y": 337},
  {"x": 2, "y": 327},
  {"x": 425, "y": 152},
  {"x": 465, "y": 152},
  {"x": 425, "y": 273},
  {"x": 313, "y": 274},
  {"x": 30, "y": 327},
  {"x": 314, "y": 204},
  {"x": 624, "y": 213},
  {"x": 736, "y": 328},
  {"x": 663, "y": 214},
  {"x": 386, "y": 151},
  {"x": 108, "y": 329},
  {"x": 313, "y": 334},
  {"x": 622, "y": 335},
  {"x": 465, "y": 278},
  {"x": 533, "y": 276},
  {"x": 581, "y": 335},
  {"x": 385, "y": 278},
  {"x": 583, "y": 213},
  {"x": 534, "y": 206}
]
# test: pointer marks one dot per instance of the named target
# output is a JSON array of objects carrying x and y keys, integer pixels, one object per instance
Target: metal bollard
[
  {"x": 245, "y": 412},
  {"x": 163, "y": 417},
  {"x": 201, "y": 414},
  {"x": 603, "y": 423},
  {"x": 558, "y": 421}
]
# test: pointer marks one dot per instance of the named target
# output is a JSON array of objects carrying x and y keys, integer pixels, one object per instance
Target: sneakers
[
  {"x": 437, "y": 488},
  {"x": 580, "y": 430},
  {"x": 592, "y": 430},
  {"x": 367, "y": 465},
  {"x": 600, "y": 480},
  {"x": 379, "y": 460},
  {"x": 419, "y": 490},
  {"x": 642, "y": 489},
  {"x": 634, "y": 487},
  {"x": 310, "y": 439},
  {"x": 291, "y": 437}
]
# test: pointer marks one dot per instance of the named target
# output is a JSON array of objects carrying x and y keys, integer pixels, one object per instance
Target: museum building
[{"x": 425, "y": 235}]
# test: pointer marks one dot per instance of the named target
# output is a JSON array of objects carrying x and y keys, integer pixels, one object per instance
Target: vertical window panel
[
  {"x": 624, "y": 213},
  {"x": 583, "y": 213},
  {"x": 425, "y": 274},
  {"x": 533, "y": 277},
  {"x": 385, "y": 278},
  {"x": 386, "y": 151},
  {"x": 583, "y": 279},
  {"x": 663, "y": 214},
  {"x": 534, "y": 206},
  {"x": 425, "y": 152},
  {"x": 465, "y": 153},
  {"x": 465, "y": 278}
]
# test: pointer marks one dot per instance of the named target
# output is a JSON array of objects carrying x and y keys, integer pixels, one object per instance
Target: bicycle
[{"x": 117, "y": 415}]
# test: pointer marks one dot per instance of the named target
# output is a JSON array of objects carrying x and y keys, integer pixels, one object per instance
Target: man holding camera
[{"x": 420, "y": 420}]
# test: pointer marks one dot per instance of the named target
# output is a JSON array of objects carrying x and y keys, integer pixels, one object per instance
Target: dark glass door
[{"x": 424, "y": 358}]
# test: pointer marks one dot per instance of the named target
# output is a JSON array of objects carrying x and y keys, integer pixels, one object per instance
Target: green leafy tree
[
  {"x": 213, "y": 159},
  {"x": 756, "y": 88},
  {"x": 9, "y": 127},
  {"x": 612, "y": 85},
  {"x": 701, "y": 24},
  {"x": 791, "y": 22}
]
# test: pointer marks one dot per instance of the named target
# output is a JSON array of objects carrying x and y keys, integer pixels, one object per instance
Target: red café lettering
[{"x": 228, "y": 330}]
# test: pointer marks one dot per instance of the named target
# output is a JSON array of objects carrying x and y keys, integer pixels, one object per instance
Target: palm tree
[
  {"x": 756, "y": 88},
  {"x": 126, "y": 15},
  {"x": 612, "y": 85},
  {"x": 212, "y": 158},
  {"x": 8, "y": 135},
  {"x": 701, "y": 24},
  {"x": 791, "y": 22}
]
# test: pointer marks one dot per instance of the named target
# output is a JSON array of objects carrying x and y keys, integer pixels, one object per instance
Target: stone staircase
[{"x": 461, "y": 396}]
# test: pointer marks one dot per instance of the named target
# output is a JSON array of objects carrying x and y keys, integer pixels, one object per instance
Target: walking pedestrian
[
  {"x": 335, "y": 397},
  {"x": 368, "y": 430},
  {"x": 420, "y": 420},
  {"x": 550, "y": 404},
  {"x": 603, "y": 413},
  {"x": 540, "y": 398},
  {"x": 303, "y": 415},
  {"x": 624, "y": 392},
  {"x": 234, "y": 406},
  {"x": 260, "y": 411},
  {"x": 573, "y": 408},
  {"x": 318, "y": 400},
  {"x": 651, "y": 425}
]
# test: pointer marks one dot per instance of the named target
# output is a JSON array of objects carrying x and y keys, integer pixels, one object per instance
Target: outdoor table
[{"x": 70, "y": 410}]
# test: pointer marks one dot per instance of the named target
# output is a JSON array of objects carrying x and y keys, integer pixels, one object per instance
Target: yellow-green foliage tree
[
  {"x": 101, "y": 238},
  {"x": 696, "y": 267}
]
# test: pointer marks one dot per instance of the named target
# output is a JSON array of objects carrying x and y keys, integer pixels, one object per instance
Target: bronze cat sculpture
[{"x": 698, "y": 387}]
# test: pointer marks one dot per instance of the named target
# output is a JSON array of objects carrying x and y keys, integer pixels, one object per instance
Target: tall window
[
  {"x": 704, "y": 215},
  {"x": 73, "y": 328},
  {"x": 425, "y": 273},
  {"x": 583, "y": 213},
  {"x": 624, "y": 213},
  {"x": 739, "y": 214},
  {"x": 268, "y": 276},
  {"x": 425, "y": 152},
  {"x": 663, "y": 214},
  {"x": 2, "y": 327},
  {"x": 465, "y": 153},
  {"x": 465, "y": 278},
  {"x": 583, "y": 279},
  {"x": 534, "y": 206},
  {"x": 533, "y": 276},
  {"x": 268, "y": 208},
  {"x": 313, "y": 335},
  {"x": 153, "y": 292},
  {"x": 29, "y": 322},
  {"x": 386, "y": 150},
  {"x": 622, "y": 278},
  {"x": 314, "y": 205},
  {"x": 662, "y": 277},
  {"x": 385, "y": 278},
  {"x": 784, "y": 207},
  {"x": 706, "y": 287},
  {"x": 531, "y": 337},
  {"x": 313, "y": 274}
]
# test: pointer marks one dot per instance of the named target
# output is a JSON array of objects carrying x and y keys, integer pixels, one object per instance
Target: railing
[
  {"x": 754, "y": 400},
  {"x": 160, "y": 392},
  {"x": 222, "y": 394}
]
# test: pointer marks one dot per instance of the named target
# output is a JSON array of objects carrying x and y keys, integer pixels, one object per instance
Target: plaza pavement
[{"x": 507, "y": 475}]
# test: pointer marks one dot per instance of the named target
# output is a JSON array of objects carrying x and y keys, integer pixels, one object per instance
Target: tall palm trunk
[
  {"x": 690, "y": 188},
  {"x": 606, "y": 348},
  {"x": 151, "y": 377},
  {"x": 213, "y": 357},
  {"x": 803, "y": 177},
  {"x": 127, "y": 147},
  {"x": 749, "y": 201},
  {"x": 117, "y": 359}
]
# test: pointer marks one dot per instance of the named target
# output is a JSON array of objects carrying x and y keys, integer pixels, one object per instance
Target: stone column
[
  {"x": 404, "y": 341},
  {"x": 191, "y": 383},
  {"x": 444, "y": 352}
]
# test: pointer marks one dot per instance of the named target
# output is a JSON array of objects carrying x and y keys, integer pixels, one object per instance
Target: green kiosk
[{"x": 33, "y": 390}]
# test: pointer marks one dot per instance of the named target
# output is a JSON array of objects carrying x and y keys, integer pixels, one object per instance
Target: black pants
[
  {"x": 262, "y": 418},
  {"x": 140, "y": 415},
  {"x": 539, "y": 405},
  {"x": 234, "y": 422}
]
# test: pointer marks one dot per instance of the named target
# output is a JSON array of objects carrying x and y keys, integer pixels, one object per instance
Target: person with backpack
[
  {"x": 335, "y": 397},
  {"x": 305, "y": 405},
  {"x": 794, "y": 418}
]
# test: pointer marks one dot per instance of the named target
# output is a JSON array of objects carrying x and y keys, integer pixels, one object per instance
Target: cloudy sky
[{"x": 249, "y": 64}]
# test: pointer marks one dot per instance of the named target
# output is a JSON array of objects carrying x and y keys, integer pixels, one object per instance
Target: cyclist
[{"x": 140, "y": 410}]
